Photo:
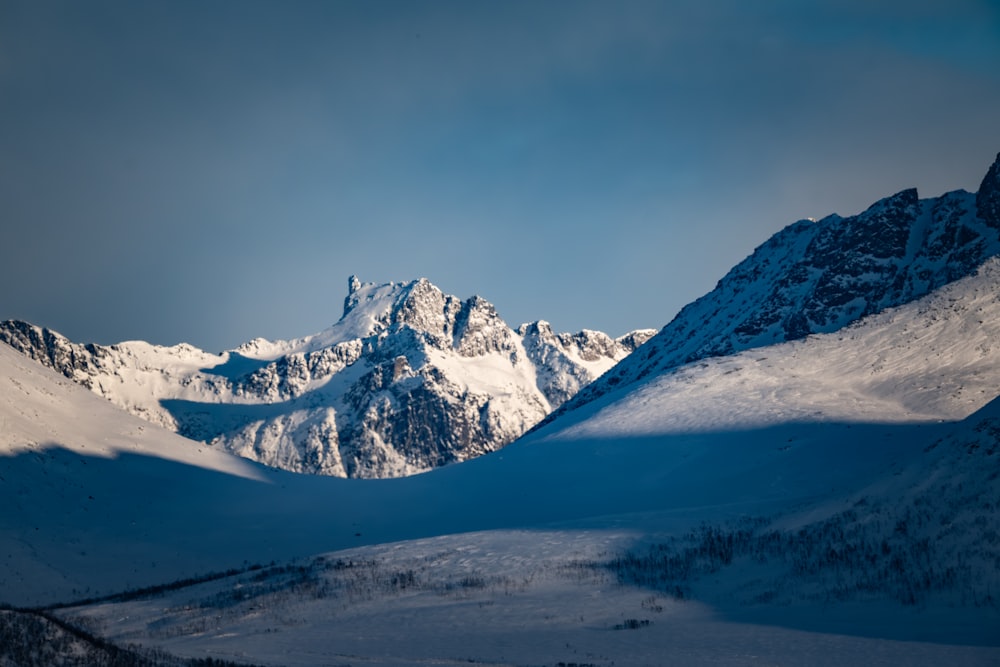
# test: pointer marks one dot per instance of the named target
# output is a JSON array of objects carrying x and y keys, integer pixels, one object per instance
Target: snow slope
[{"x": 407, "y": 380}]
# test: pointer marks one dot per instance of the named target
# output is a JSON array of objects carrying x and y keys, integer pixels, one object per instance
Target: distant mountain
[
  {"x": 819, "y": 276},
  {"x": 407, "y": 380}
]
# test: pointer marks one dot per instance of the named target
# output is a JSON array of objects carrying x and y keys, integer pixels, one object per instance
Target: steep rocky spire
[{"x": 353, "y": 285}]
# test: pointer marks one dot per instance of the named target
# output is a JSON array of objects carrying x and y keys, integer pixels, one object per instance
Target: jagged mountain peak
[
  {"x": 538, "y": 327},
  {"x": 905, "y": 197},
  {"x": 634, "y": 339},
  {"x": 381, "y": 297},
  {"x": 373, "y": 309},
  {"x": 370, "y": 308},
  {"x": 586, "y": 344}
]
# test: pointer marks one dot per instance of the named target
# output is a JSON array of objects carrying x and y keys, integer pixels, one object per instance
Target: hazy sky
[{"x": 211, "y": 172}]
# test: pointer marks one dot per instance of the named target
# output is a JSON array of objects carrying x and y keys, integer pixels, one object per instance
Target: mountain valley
[{"x": 802, "y": 467}]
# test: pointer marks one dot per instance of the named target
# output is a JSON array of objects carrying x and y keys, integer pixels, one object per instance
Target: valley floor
[{"x": 521, "y": 598}]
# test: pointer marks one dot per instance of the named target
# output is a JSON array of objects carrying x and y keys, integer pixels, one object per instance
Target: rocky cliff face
[
  {"x": 407, "y": 380},
  {"x": 819, "y": 276}
]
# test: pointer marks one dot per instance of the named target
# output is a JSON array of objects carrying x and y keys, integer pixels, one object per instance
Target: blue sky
[{"x": 213, "y": 171}]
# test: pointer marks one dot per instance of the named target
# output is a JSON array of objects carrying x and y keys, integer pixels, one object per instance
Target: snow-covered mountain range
[
  {"x": 771, "y": 428},
  {"x": 843, "y": 485},
  {"x": 409, "y": 379},
  {"x": 819, "y": 276},
  {"x": 818, "y": 500}
]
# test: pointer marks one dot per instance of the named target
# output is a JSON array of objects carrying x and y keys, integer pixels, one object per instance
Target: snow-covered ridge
[
  {"x": 934, "y": 359},
  {"x": 816, "y": 277},
  {"x": 38, "y": 410},
  {"x": 407, "y": 380}
]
